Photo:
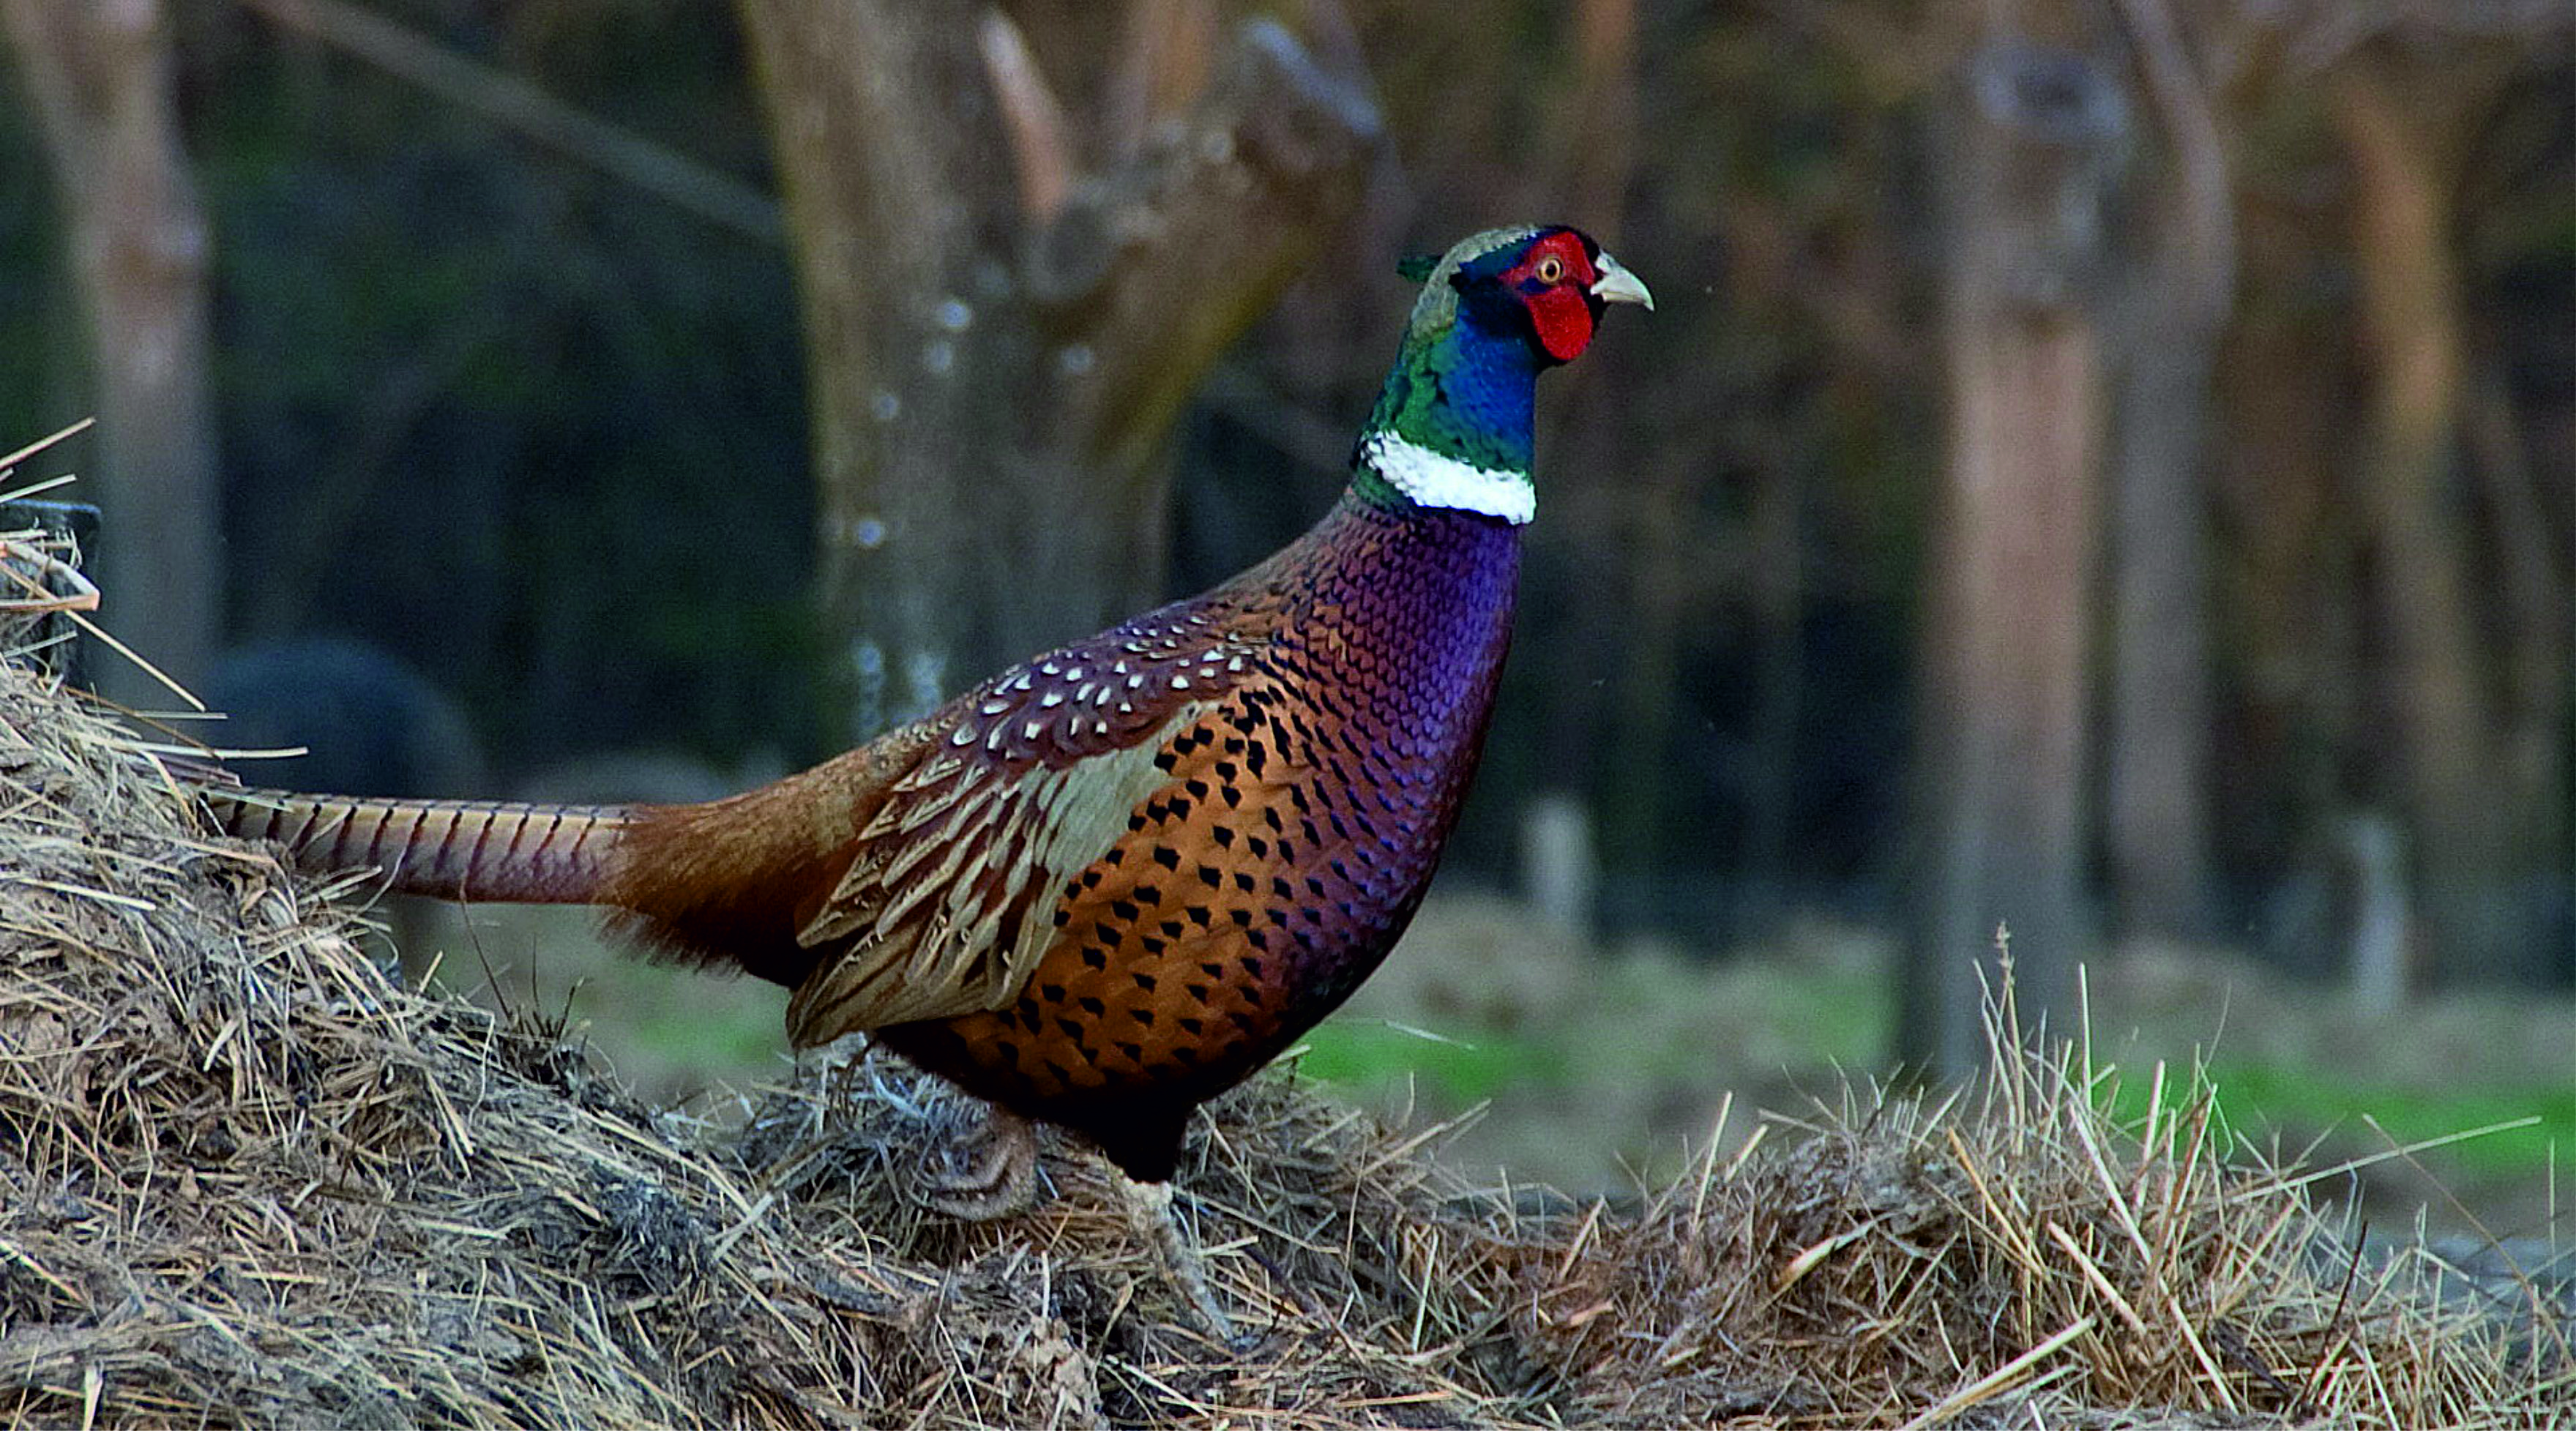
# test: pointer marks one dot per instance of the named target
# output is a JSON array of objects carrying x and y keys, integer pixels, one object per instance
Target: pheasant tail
[{"x": 502, "y": 851}]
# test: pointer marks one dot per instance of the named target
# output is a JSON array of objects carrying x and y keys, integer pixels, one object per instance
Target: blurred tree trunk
[
  {"x": 2157, "y": 752},
  {"x": 100, "y": 75},
  {"x": 1001, "y": 340},
  {"x": 2538, "y": 699},
  {"x": 1779, "y": 599},
  {"x": 2032, "y": 140},
  {"x": 2483, "y": 822},
  {"x": 2290, "y": 560}
]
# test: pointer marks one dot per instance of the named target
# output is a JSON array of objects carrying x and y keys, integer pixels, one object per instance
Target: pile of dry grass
[{"x": 251, "y": 1181}]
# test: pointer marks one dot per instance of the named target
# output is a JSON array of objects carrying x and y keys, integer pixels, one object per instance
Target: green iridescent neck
[{"x": 1456, "y": 410}]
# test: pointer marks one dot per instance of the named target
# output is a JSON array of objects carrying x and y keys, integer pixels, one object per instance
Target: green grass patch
[
  {"x": 2256, "y": 1097},
  {"x": 1372, "y": 1054},
  {"x": 2272, "y": 1094}
]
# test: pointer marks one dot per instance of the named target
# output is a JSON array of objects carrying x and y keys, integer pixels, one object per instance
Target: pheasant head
[{"x": 1453, "y": 424}]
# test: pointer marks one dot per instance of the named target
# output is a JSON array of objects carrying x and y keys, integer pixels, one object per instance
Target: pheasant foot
[
  {"x": 1149, "y": 1210},
  {"x": 999, "y": 1177}
]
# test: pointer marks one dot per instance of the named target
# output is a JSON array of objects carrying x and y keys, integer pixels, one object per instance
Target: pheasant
[{"x": 1111, "y": 882}]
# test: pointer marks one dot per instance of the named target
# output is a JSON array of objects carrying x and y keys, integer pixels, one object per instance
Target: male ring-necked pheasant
[{"x": 1111, "y": 882}]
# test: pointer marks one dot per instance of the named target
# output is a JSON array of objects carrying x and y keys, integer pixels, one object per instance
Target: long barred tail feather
[{"x": 497, "y": 850}]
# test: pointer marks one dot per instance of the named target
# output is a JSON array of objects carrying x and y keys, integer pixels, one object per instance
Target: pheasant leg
[
  {"x": 999, "y": 1177},
  {"x": 1149, "y": 1211}
]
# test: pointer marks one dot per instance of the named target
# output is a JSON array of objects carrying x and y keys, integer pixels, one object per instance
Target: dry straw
[{"x": 251, "y": 1181}]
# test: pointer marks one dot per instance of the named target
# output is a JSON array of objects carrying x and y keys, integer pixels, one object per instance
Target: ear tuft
[{"x": 1415, "y": 268}]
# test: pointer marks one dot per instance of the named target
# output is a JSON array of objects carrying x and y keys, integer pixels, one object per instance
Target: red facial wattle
[
  {"x": 1563, "y": 318},
  {"x": 1554, "y": 279}
]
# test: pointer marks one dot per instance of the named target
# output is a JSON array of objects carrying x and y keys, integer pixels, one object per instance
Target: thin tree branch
[
  {"x": 518, "y": 104},
  {"x": 2190, "y": 122},
  {"x": 1163, "y": 64},
  {"x": 1041, "y": 149},
  {"x": 1185, "y": 246}
]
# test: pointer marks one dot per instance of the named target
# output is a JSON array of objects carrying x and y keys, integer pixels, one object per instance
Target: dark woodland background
[{"x": 2104, "y": 468}]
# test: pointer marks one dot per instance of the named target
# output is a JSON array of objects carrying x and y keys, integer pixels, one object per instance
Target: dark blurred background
[{"x": 2106, "y": 469}]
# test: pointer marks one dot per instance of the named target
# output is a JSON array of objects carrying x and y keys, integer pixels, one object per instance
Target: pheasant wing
[{"x": 944, "y": 908}]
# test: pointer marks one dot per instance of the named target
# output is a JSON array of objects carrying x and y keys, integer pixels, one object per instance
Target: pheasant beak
[{"x": 1618, "y": 285}]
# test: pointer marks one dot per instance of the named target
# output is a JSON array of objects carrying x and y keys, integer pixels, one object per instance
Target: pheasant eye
[{"x": 1551, "y": 269}]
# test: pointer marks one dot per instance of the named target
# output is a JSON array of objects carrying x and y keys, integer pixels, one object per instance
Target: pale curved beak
[{"x": 1618, "y": 285}]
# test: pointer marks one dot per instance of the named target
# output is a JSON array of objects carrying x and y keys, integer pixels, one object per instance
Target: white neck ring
[{"x": 1436, "y": 479}]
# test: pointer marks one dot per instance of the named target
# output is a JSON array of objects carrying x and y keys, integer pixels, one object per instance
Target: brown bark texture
[
  {"x": 2485, "y": 817},
  {"x": 2034, "y": 138},
  {"x": 99, "y": 72},
  {"x": 2157, "y": 748},
  {"x": 1001, "y": 334}
]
